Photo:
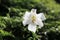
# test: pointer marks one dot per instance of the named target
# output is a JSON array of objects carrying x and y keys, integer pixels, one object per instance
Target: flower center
[{"x": 33, "y": 18}]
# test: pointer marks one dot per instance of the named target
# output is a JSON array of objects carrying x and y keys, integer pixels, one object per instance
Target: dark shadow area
[
  {"x": 57, "y": 1},
  {"x": 3, "y": 10},
  {"x": 8, "y": 38}
]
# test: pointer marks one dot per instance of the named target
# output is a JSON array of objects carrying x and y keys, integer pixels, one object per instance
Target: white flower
[{"x": 33, "y": 19}]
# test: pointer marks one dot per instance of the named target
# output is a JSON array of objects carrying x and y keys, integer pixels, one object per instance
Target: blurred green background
[{"x": 12, "y": 11}]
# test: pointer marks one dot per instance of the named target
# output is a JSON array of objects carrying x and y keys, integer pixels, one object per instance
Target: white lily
[{"x": 33, "y": 19}]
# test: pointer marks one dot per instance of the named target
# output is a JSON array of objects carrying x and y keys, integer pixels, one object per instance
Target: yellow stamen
[{"x": 33, "y": 18}]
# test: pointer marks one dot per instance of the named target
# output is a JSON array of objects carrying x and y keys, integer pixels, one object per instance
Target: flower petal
[
  {"x": 25, "y": 22},
  {"x": 41, "y": 16},
  {"x": 27, "y": 15},
  {"x": 33, "y": 11},
  {"x": 39, "y": 22},
  {"x": 32, "y": 27},
  {"x": 26, "y": 19}
]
